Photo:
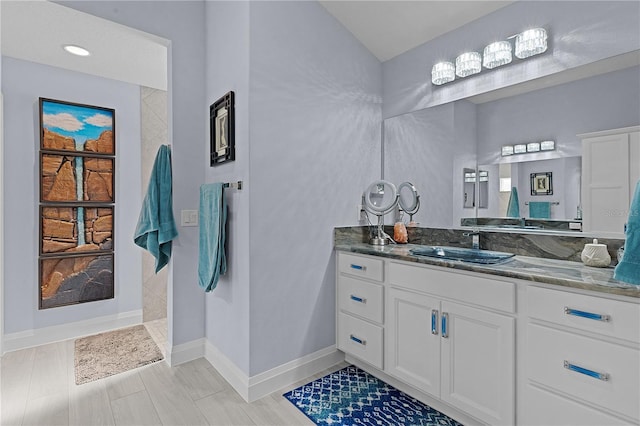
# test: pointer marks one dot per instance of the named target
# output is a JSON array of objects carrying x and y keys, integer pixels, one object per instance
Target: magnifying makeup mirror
[
  {"x": 380, "y": 198},
  {"x": 408, "y": 199}
]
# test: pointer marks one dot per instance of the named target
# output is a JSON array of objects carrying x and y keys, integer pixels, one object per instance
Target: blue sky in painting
[{"x": 78, "y": 122}]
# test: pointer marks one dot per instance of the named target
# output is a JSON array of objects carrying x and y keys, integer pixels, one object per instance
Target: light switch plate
[{"x": 189, "y": 217}]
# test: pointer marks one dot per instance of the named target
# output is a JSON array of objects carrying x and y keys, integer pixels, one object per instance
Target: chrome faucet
[{"x": 475, "y": 239}]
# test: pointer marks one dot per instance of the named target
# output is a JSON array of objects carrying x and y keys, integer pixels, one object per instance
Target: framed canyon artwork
[{"x": 77, "y": 181}]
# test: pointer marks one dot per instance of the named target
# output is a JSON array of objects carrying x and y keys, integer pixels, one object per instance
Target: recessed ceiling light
[{"x": 76, "y": 50}]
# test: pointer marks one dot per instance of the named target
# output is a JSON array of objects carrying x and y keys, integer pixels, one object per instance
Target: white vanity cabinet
[
  {"x": 582, "y": 359},
  {"x": 439, "y": 342},
  {"x": 610, "y": 170}
]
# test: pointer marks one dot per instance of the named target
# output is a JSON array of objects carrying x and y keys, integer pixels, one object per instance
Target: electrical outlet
[{"x": 189, "y": 217}]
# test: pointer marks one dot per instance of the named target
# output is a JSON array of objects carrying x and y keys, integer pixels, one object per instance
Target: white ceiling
[
  {"x": 36, "y": 31},
  {"x": 389, "y": 28}
]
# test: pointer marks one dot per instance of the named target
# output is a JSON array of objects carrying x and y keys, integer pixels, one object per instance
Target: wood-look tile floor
[{"x": 38, "y": 388}]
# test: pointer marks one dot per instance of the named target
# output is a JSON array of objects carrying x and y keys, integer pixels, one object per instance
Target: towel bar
[
  {"x": 235, "y": 185},
  {"x": 553, "y": 203}
]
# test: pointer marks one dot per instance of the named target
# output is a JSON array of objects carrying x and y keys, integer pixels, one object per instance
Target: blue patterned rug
[{"x": 353, "y": 397}]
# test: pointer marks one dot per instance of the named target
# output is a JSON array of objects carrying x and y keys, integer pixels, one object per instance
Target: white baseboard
[
  {"x": 42, "y": 336},
  {"x": 185, "y": 352},
  {"x": 255, "y": 387}
]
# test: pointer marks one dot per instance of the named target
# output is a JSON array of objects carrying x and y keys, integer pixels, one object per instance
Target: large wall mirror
[{"x": 443, "y": 149}]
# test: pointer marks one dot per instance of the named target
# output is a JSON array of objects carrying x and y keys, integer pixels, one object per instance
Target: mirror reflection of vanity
[{"x": 443, "y": 149}]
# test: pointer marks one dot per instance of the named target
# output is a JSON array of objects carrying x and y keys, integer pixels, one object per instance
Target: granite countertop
[{"x": 550, "y": 271}]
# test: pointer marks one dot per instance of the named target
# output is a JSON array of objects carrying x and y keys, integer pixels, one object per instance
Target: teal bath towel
[
  {"x": 539, "y": 209},
  {"x": 156, "y": 227},
  {"x": 513, "y": 208},
  {"x": 628, "y": 270},
  {"x": 212, "y": 260}
]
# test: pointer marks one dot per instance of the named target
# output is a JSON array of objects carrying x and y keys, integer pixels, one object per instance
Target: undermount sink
[{"x": 485, "y": 257}]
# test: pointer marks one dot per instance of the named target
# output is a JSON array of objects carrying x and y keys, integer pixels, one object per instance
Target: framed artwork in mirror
[
  {"x": 222, "y": 130},
  {"x": 541, "y": 183}
]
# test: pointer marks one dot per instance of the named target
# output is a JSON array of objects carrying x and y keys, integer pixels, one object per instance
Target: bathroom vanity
[{"x": 527, "y": 341}]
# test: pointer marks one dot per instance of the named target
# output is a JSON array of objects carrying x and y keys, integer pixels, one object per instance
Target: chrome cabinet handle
[
  {"x": 443, "y": 326},
  {"x": 588, "y": 315},
  {"x": 358, "y": 267},
  {"x": 358, "y": 340},
  {"x": 586, "y": 371},
  {"x": 358, "y": 299},
  {"x": 434, "y": 321}
]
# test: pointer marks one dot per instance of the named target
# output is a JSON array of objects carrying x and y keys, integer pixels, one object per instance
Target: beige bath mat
[{"x": 114, "y": 352}]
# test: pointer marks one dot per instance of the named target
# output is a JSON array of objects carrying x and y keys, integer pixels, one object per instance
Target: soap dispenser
[{"x": 595, "y": 254}]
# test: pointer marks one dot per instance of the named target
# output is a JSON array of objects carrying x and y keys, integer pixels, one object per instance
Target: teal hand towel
[
  {"x": 156, "y": 226},
  {"x": 212, "y": 260},
  {"x": 539, "y": 209},
  {"x": 628, "y": 270},
  {"x": 513, "y": 208}
]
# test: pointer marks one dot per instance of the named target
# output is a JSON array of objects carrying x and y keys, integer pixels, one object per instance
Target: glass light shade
[
  {"x": 547, "y": 145},
  {"x": 443, "y": 72},
  {"x": 507, "y": 150},
  {"x": 519, "y": 149},
  {"x": 533, "y": 147},
  {"x": 496, "y": 54},
  {"x": 468, "y": 63},
  {"x": 531, "y": 42}
]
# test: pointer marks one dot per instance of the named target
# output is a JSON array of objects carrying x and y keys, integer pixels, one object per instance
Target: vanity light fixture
[
  {"x": 528, "y": 43},
  {"x": 530, "y": 147},
  {"x": 496, "y": 54},
  {"x": 76, "y": 50},
  {"x": 531, "y": 42},
  {"x": 468, "y": 63},
  {"x": 443, "y": 72}
]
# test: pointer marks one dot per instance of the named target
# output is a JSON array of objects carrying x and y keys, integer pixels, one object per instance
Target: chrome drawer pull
[
  {"x": 584, "y": 314},
  {"x": 358, "y": 299},
  {"x": 357, "y": 340},
  {"x": 443, "y": 326},
  {"x": 434, "y": 321},
  {"x": 358, "y": 267},
  {"x": 587, "y": 372}
]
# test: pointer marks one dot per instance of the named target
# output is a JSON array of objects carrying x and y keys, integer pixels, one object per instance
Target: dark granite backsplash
[{"x": 562, "y": 247}]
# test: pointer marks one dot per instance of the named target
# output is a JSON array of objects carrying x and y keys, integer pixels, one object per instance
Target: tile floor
[{"x": 38, "y": 388}]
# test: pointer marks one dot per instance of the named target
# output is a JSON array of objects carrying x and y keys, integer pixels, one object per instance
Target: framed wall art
[
  {"x": 222, "y": 130},
  {"x": 77, "y": 182},
  {"x": 541, "y": 183}
]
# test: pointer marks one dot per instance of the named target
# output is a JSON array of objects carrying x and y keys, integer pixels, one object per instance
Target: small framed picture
[
  {"x": 222, "y": 127},
  {"x": 541, "y": 183}
]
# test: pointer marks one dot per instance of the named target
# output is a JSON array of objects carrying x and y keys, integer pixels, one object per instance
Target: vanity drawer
[
  {"x": 360, "y": 266},
  {"x": 612, "y": 318},
  {"x": 361, "y": 298},
  {"x": 568, "y": 363},
  {"x": 360, "y": 339},
  {"x": 463, "y": 287},
  {"x": 549, "y": 409}
]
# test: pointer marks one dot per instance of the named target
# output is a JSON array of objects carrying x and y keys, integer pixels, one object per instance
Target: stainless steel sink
[{"x": 485, "y": 257}]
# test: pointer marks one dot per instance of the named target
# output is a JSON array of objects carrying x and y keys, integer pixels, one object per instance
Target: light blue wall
[
  {"x": 315, "y": 109},
  {"x": 228, "y": 309},
  {"x": 23, "y": 83},
  {"x": 183, "y": 23},
  {"x": 580, "y": 32}
]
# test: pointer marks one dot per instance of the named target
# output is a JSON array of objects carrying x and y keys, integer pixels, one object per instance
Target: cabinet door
[
  {"x": 478, "y": 373},
  {"x": 605, "y": 182},
  {"x": 413, "y": 347}
]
